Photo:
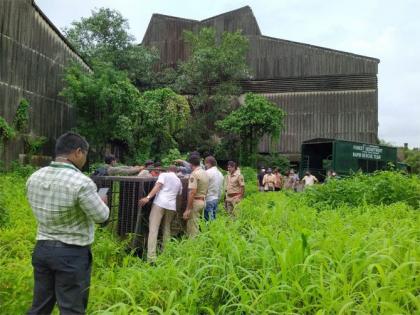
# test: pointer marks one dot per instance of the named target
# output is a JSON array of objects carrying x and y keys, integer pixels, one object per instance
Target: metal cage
[{"x": 127, "y": 217}]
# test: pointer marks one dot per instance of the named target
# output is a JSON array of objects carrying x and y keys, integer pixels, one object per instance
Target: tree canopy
[
  {"x": 111, "y": 109},
  {"x": 251, "y": 121},
  {"x": 211, "y": 77},
  {"x": 104, "y": 37}
]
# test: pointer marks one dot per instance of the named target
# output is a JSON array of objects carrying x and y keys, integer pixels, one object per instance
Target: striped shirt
[{"x": 65, "y": 203}]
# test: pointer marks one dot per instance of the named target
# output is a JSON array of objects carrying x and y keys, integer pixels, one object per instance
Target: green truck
[{"x": 344, "y": 157}]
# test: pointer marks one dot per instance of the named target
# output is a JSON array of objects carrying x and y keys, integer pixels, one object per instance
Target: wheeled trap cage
[{"x": 127, "y": 216}]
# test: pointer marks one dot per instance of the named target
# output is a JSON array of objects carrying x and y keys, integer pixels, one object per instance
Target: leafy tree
[
  {"x": 103, "y": 101},
  {"x": 104, "y": 37},
  {"x": 110, "y": 109},
  {"x": 251, "y": 121},
  {"x": 164, "y": 114},
  {"x": 211, "y": 76}
]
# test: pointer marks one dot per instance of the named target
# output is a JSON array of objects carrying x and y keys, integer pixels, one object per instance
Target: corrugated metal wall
[
  {"x": 32, "y": 61},
  {"x": 241, "y": 19},
  {"x": 349, "y": 115},
  {"x": 276, "y": 58},
  {"x": 325, "y": 92}
]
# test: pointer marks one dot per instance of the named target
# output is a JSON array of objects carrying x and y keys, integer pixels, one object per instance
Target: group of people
[
  {"x": 66, "y": 205},
  {"x": 273, "y": 180},
  {"x": 205, "y": 189},
  {"x": 206, "y": 185}
]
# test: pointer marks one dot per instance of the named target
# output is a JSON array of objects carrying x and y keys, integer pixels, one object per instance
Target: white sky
[{"x": 387, "y": 29}]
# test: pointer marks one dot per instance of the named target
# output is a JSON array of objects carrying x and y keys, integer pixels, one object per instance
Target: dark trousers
[{"x": 62, "y": 276}]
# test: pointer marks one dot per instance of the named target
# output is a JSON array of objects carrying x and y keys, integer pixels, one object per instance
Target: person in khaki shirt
[
  {"x": 235, "y": 187},
  {"x": 198, "y": 185},
  {"x": 269, "y": 181}
]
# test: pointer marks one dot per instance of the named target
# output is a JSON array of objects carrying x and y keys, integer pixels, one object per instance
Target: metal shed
[
  {"x": 326, "y": 93},
  {"x": 33, "y": 56}
]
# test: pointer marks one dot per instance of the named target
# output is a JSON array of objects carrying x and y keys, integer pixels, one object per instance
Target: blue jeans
[
  {"x": 210, "y": 210},
  {"x": 62, "y": 276}
]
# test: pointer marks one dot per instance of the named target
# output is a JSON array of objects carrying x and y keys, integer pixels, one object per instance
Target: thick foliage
[
  {"x": 6, "y": 131},
  {"x": 211, "y": 76},
  {"x": 105, "y": 96},
  {"x": 21, "y": 119},
  {"x": 273, "y": 160},
  {"x": 163, "y": 115},
  {"x": 4, "y": 212},
  {"x": 375, "y": 189},
  {"x": 104, "y": 37},
  {"x": 251, "y": 121},
  {"x": 412, "y": 158},
  {"x": 171, "y": 156},
  {"x": 279, "y": 256},
  {"x": 145, "y": 123}
]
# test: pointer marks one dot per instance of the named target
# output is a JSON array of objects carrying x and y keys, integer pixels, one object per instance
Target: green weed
[{"x": 279, "y": 256}]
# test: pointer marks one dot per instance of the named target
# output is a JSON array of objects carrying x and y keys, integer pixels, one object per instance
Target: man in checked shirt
[{"x": 66, "y": 206}]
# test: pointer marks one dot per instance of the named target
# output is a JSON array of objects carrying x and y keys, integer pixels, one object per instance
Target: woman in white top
[{"x": 168, "y": 186}]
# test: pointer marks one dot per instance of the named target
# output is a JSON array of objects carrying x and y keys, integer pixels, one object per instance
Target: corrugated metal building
[
  {"x": 326, "y": 93},
  {"x": 33, "y": 55}
]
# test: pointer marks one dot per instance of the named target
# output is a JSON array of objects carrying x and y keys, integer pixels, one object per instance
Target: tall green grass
[
  {"x": 383, "y": 187},
  {"x": 280, "y": 256}
]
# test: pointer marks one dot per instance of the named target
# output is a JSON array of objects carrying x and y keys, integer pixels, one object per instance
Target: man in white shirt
[
  {"x": 309, "y": 179},
  {"x": 215, "y": 188},
  {"x": 168, "y": 186}
]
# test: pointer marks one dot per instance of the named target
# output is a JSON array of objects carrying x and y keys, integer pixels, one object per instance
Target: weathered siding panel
[
  {"x": 276, "y": 58},
  {"x": 32, "y": 61},
  {"x": 242, "y": 19},
  {"x": 325, "y": 92},
  {"x": 349, "y": 115}
]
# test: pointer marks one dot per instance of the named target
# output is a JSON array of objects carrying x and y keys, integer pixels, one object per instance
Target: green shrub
[
  {"x": 33, "y": 144},
  {"x": 171, "y": 156},
  {"x": 20, "y": 170},
  {"x": 385, "y": 187},
  {"x": 4, "y": 212},
  {"x": 273, "y": 160},
  {"x": 6, "y": 131},
  {"x": 21, "y": 119}
]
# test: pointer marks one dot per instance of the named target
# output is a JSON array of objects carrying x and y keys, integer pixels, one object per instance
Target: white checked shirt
[
  {"x": 215, "y": 184},
  {"x": 65, "y": 204}
]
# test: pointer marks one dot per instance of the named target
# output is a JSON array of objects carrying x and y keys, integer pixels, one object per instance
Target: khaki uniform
[
  {"x": 155, "y": 218},
  {"x": 269, "y": 181},
  {"x": 198, "y": 180},
  {"x": 234, "y": 185}
]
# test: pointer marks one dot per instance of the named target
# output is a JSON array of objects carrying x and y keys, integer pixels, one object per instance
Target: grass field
[{"x": 285, "y": 254}]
